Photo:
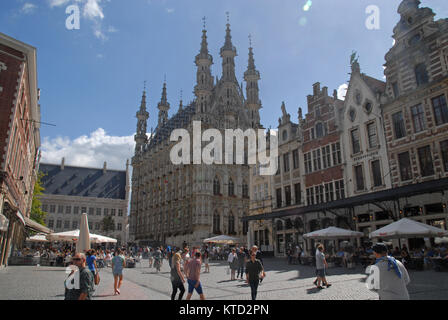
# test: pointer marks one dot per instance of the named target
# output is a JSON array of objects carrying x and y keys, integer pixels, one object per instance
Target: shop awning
[
  {"x": 373, "y": 197},
  {"x": 33, "y": 225}
]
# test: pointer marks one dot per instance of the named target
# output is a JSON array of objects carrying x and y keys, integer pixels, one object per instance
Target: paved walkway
[{"x": 283, "y": 282}]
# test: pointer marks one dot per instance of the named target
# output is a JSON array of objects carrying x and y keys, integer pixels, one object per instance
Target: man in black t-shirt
[{"x": 254, "y": 272}]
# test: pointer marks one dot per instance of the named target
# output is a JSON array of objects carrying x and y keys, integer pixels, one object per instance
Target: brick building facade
[
  {"x": 19, "y": 141},
  {"x": 378, "y": 156}
]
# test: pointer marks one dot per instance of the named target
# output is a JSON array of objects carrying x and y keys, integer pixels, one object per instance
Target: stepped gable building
[
  {"x": 175, "y": 203},
  {"x": 365, "y": 148},
  {"x": 71, "y": 191},
  {"x": 19, "y": 143},
  {"x": 380, "y": 155},
  {"x": 416, "y": 113}
]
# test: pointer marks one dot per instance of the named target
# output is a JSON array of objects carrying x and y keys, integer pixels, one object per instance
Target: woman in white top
[
  {"x": 232, "y": 260},
  {"x": 108, "y": 258}
]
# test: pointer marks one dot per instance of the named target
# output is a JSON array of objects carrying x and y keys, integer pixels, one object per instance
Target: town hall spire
[
  {"x": 252, "y": 76},
  {"x": 142, "y": 116},
  {"x": 204, "y": 79},
  {"x": 163, "y": 107},
  {"x": 228, "y": 54}
]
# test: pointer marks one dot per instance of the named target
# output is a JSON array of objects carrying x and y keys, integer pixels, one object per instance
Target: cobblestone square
[{"x": 283, "y": 282}]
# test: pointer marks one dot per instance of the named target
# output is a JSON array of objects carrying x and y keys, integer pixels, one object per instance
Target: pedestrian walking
[
  {"x": 258, "y": 257},
  {"x": 84, "y": 292},
  {"x": 254, "y": 272},
  {"x": 193, "y": 271},
  {"x": 321, "y": 264},
  {"x": 177, "y": 278},
  {"x": 242, "y": 259},
  {"x": 108, "y": 258},
  {"x": 118, "y": 263},
  {"x": 393, "y": 276},
  {"x": 151, "y": 257},
  {"x": 91, "y": 261},
  {"x": 158, "y": 258},
  {"x": 232, "y": 259},
  {"x": 206, "y": 261},
  {"x": 169, "y": 256}
]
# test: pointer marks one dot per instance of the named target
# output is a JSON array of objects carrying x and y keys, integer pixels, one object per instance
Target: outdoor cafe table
[{"x": 439, "y": 263}]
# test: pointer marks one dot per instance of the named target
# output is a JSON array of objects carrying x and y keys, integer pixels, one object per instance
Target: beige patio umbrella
[
  {"x": 223, "y": 239},
  {"x": 83, "y": 243},
  {"x": 103, "y": 239}
]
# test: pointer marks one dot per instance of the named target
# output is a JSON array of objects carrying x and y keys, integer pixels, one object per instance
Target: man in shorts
[
  {"x": 321, "y": 264},
  {"x": 193, "y": 271}
]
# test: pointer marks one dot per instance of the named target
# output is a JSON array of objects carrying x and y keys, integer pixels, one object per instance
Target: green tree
[
  {"x": 108, "y": 224},
  {"x": 36, "y": 205}
]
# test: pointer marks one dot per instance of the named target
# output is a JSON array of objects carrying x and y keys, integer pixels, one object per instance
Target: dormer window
[
  {"x": 421, "y": 74},
  {"x": 285, "y": 135},
  {"x": 395, "y": 89},
  {"x": 319, "y": 130}
]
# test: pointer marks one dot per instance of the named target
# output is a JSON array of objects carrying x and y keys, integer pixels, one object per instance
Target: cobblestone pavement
[{"x": 283, "y": 282}]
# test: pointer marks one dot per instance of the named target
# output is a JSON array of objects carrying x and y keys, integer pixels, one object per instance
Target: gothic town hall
[{"x": 170, "y": 203}]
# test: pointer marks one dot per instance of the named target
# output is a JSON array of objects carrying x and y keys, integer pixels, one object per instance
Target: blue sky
[{"x": 92, "y": 79}]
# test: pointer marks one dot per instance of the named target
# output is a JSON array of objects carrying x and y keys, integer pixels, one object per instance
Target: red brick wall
[
  {"x": 324, "y": 176},
  {"x": 9, "y": 82},
  {"x": 16, "y": 93}
]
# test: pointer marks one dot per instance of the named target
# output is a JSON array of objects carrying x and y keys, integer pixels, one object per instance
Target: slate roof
[
  {"x": 83, "y": 182},
  {"x": 180, "y": 120},
  {"x": 376, "y": 85}
]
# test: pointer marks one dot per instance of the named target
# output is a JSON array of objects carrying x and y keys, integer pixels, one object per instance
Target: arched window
[
  {"x": 216, "y": 186},
  {"x": 231, "y": 224},
  {"x": 216, "y": 223},
  {"x": 231, "y": 187},
  {"x": 421, "y": 74}
]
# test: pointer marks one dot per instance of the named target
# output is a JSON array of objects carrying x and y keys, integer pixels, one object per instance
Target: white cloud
[
  {"x": 169, "y": 10},
  {"x": 90, "y": 151},
  {"x": 28, "y": 8},
  {"x": 342, "y": 91},
  {"x": 91, "y": 10},
  {"x": 57, "y": 3}
]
